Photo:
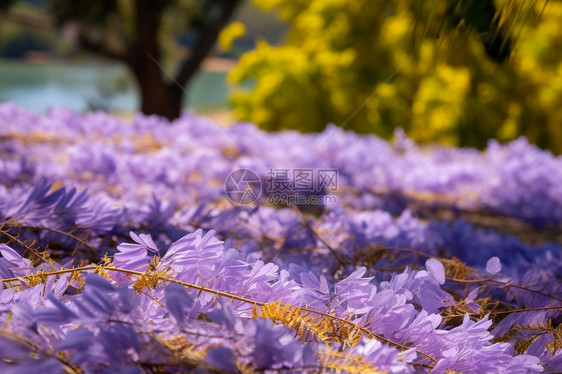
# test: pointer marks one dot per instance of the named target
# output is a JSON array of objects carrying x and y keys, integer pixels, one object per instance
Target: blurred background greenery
[
  {"x": 123, "y": 55},
  {"x": 457, "y": 72}
]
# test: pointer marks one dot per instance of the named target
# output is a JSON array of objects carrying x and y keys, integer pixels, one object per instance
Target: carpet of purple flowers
[{"x": 122, "y": 254}]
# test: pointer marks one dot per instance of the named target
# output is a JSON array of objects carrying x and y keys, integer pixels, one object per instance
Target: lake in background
[{"x": 91, "y": 84}]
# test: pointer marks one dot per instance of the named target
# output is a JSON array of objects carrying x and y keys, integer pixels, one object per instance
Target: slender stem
[
  {"x": 506, "y": 284},
  {"x": 510, "y": 311},
  {"x": 231, "y": 297},
  {"x": 70, "y": 235},
  {"x": 27, "y": 247},
  {"x": 50, "y": 273},
  {"x": 366, "y": 331}
]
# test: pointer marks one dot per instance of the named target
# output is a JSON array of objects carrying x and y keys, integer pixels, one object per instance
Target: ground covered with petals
[{"x": 121, "y": 253}]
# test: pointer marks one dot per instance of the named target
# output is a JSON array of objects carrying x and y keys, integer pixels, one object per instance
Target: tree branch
[
  {"x": 43, "y": 22},
  {"x": 207, "y": 38},
  {"x": 146, "y": 28},
  {"x": 90, "y": 45},
  {"x": 47, "y": 23}
]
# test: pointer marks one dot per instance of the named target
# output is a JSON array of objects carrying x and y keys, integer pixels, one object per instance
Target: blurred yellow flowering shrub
[
  {"x": 229, "y": 34},
  {"x": 372, "y": 66}
]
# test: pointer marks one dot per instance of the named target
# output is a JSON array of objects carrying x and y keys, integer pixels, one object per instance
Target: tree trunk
[
  {"x": 157, "y": 97},
  {"x": 143, "y": 55}
]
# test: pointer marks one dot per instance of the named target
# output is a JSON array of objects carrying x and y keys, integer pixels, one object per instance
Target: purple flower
[
  {"x": 222, "y": 358},
  {"x": 493, "y": 266},
  {"x": 178, "y": 302},
  {"x": 166, "y": 181},
  {"x": 134, "y": 256}
]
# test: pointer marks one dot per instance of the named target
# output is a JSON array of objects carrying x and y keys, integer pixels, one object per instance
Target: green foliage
[
  {"x": 87, "y": 11},
  {"x": 5, "y": 4},
  {"x": 162, "y": 42},
  {"x": 17, "y": 38},
  {"x": 437, "y": 69}
]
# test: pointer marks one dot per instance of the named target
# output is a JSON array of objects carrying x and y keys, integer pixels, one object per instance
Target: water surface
[{"x": 91, "y": 84}]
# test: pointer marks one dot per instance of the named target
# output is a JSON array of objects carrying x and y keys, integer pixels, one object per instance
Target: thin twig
[
  {"x": 506, "y": 284},
  {"x": 230, "y": 296}
]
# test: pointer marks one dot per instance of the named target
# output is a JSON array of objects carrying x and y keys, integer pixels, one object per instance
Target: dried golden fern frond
[
  {"x": 325, "y": 328},
  {"x": 457, "y": 269},
  {"x": 540, "y": 329},
  {"x": 152, "y": 276},
  {"x": 30, "y": 246},
  {"x": 371, "y": 255},
  {"x": 536, "y": 331},
  {"x": 556, "y": 345},
  {"x": 342, "y": 362},
  {"x": 104, "y": 264},
  {"x": 37, "y": 352},
  {"x": 303, "y": 324},
  {"x": 187, "y": 354},
  {"x": 453, "y": 314},
  {"x": 522, "y": 345}
]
